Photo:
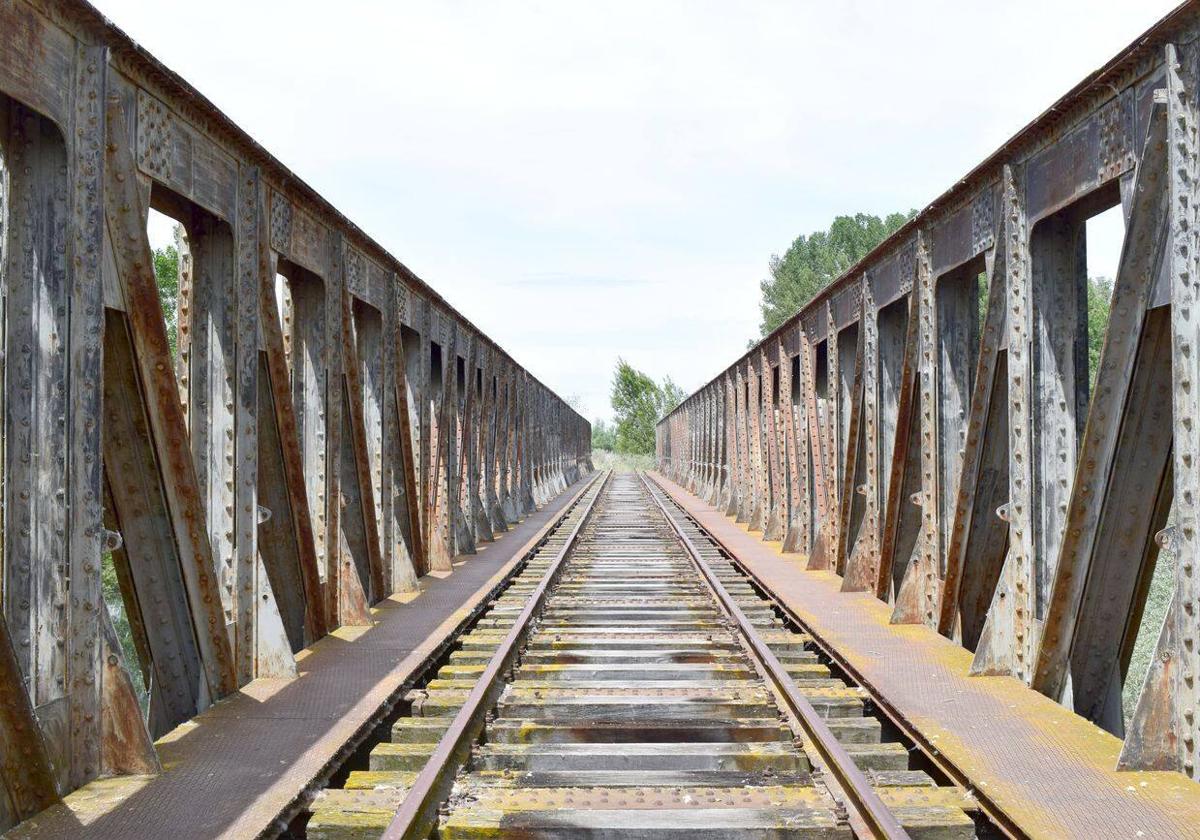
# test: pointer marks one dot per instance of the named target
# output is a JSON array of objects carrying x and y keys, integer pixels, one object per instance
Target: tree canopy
[
  {"x": 638, "y": 402},
  {"x": 813, "y": 261},
  {"x": 1099, "y": 300},
  {"x": 604, "y": 436},
  {"x": 166, "y": 270},
  {"x": 671, "y": 396}
]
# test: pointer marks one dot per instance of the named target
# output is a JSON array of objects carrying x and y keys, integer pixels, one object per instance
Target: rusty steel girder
[
  {"x": 949, "y": 454},
  {"x": 329, "y": 429}
]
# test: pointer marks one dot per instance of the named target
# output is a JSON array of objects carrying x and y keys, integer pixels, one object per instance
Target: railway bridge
[{"x": 913, "y": 566}]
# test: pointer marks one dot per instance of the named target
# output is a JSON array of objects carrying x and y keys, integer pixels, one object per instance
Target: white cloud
[{"x": 592, "y": 180}]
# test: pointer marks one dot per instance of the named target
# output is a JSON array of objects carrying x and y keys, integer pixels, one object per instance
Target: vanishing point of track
[{"x": 631, "y": 681}]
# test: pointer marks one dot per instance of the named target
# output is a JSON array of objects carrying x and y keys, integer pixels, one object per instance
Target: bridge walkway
[
  {"x": 1050, "y": 773},
  {"x": 236, "y": 768}
]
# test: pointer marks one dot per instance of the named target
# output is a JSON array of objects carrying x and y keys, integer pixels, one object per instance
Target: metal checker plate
[
  {"x": 1050, "y": 771},
  {"x": 235, "y": 768}
]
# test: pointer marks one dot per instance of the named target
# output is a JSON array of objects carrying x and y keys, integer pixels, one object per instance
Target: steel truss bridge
[{"x": 886, "y": 581}]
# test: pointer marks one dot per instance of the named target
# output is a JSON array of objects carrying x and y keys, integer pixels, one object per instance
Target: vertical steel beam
[
  {"x": 401, "y": 449},
  {"x": 796, "y": 430},
  {"x": 901, "y": 443},
  {"x": 776, "y": 498},
  {"x": 207, "y": 367},
  {"x": 864, "y": 554},
  {"x": 83, "y": 488},
  {"x": 850, "y": 378},
  {"x": 917, "y": 600},
  {"x": 494, "y": 443},
  {"x": 357, "y": 486},
  {"x": 243, "y": 477},
  {"x": 280, "y": 465},
  {"x": 125, "y": 213},
  {"x": 50, "y": 212},
  {"x": 27, "y": 778},
  {"x": 745, "y": 495},
  {"x": 1006, "y": 643},
  {"x": 815, "y": 444},
  {"x": 728, "y": 501},
  {"x": 1162, "y": 734},
  {"x": 978, "y": 535},
  {"x": 1117, "y": 378}
]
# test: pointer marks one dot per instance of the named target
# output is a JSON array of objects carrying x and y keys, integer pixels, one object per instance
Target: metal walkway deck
[
  {"x": 631, "y": 685},
  {"x": 196, "y": 530},
  {"x": 1049, "y": 771},
  {"x": 240, "y": 765}
]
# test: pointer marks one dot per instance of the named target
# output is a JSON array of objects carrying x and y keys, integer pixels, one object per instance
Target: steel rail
[
  {"x": 868, "y": 815},
  {"x": 418, "y": 813},
  {"x": 952, "y": 771}
]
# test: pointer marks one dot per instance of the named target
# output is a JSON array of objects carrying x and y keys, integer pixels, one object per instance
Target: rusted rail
[
  {"x": 868, "y": 815},
  {"x": 326, "y": 429},
  {"x": 608, "y": 691},
  {"x": 418, "y": 814}
]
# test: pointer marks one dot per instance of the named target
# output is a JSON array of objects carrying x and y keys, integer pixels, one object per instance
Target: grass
[
  {"x": 621, "y": 462},
  {"x": 1162, "y": 587}
]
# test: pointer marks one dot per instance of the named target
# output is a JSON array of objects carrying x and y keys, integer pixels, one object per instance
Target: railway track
[{"x": 632, "y": 682}]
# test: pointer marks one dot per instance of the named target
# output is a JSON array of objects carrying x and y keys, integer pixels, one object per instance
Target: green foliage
[
  {"x": 983, "y": 300},
  {"x": 604, "y": 436},
  {"x": 635, "y": 399},
  {"x": 110, "y": 587},
  {"x": 166, "y": 270},
  {"x": 813, "y": 261},
  {"x": 621, "y": 462},
  {"x": 1158, "y": 600},
  {"x": 1099, "y": 299},
  {"x": 638, "y": 402},
  {"x": 671, "y": 395}
]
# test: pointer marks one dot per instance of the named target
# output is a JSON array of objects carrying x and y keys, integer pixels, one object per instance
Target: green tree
[
  {"x": 166, "y": 271},
  {"x": 638, "y": 402},
  {"x": 635, "y": 399},
  {"x": 813, "y": 261},
  {"x": 1099, "y": 299},
  {"x": 604, "y": 436},
  {"x": 110, "y": 587},
  {"x": 670, "y": 395}
]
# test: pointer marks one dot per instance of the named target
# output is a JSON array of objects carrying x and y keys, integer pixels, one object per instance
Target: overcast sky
[{"x": 591, "y": 180}]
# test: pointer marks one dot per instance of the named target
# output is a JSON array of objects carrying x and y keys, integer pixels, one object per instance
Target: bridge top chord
[
  {"x": 932, "y": 429},
  {"x": 303, "y": 552}
]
